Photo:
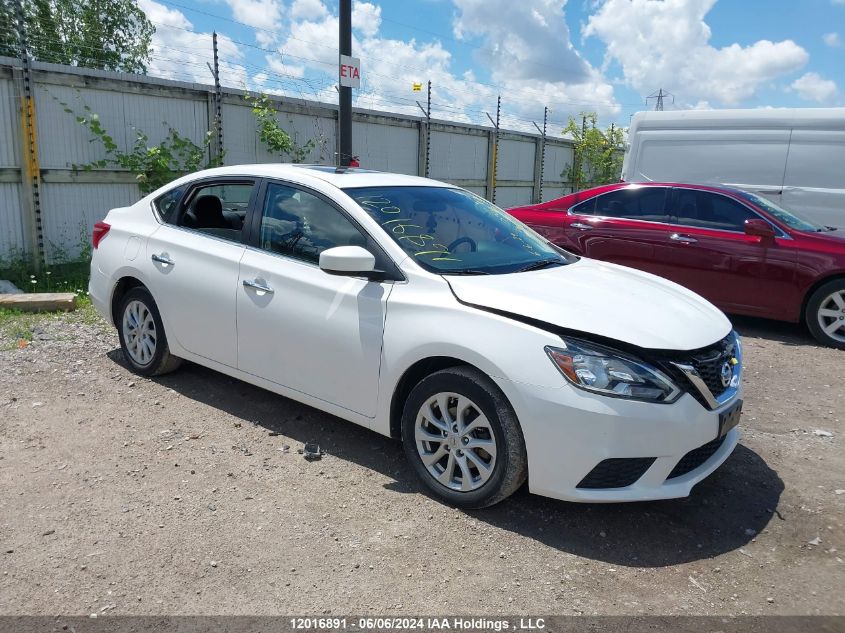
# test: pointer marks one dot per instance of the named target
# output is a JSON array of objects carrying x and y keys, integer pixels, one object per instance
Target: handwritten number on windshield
[{"x": 400, "y": 226}]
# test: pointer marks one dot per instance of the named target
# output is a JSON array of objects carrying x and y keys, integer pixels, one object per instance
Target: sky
[{"x": 572, "y": 56}]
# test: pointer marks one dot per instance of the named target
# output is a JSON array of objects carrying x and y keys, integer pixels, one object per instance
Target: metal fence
[{"x": 47, "y": 208}]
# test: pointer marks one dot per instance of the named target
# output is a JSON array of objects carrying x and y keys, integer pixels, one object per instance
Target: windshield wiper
[
  {"x": 468, "y": 271},
  {"x": 540, "y": 264}
]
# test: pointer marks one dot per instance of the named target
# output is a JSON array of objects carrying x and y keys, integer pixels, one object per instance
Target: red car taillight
[{"x": 100, "y": 230}]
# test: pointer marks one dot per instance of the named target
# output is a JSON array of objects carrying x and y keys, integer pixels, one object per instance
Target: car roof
[{"x": 340, "y": 177}]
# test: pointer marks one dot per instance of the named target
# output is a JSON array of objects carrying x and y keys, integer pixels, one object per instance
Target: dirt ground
[{"x": 121, "y": 495}]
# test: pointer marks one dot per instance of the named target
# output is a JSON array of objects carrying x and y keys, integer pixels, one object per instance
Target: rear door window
[
  {"x": 631, "y": 203},
  {"x": 217, "y": 208}
]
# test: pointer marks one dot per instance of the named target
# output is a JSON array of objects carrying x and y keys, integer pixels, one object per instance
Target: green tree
[
  {"x": 103, "y": 34},
  {"x": 597, "y": 154}
]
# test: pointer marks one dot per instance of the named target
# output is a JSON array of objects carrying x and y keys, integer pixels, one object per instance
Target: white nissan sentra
[{"x": 423, "y": 312}]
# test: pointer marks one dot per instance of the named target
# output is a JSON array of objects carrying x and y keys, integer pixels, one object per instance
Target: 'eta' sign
[{"x": 350, "y": 71}]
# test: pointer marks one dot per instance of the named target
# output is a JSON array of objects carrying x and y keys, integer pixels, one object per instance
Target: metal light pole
[{"x": 345, "y": 115}]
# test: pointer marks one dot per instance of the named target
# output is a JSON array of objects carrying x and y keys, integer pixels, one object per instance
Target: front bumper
[{"x": 568, "y": 432}]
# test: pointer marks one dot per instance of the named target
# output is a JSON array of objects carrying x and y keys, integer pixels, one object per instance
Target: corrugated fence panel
[
  {"x": 240, "y": 138},
  {"x": 550, "y": 193},
  {"x": 513, "y": 196},
  {"x": 70, "y": 211},
  {"x": 455, "y": 156},
  {"x": 122, "y": 115},
  {"x": 10, "y": 125},
  {"x": 243, "y": 146},
  {"x": 386, "y": 147},
  {"x": 11, "y": 230},
  {"x": 558, "y": 158},
  {"x": 516, "y": 161}
]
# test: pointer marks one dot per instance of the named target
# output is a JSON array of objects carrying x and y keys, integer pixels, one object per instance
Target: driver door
[{"x": 299, "y": 326}]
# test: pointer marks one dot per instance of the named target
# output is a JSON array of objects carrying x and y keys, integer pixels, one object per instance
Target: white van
[{"x": 796, "y": 157}]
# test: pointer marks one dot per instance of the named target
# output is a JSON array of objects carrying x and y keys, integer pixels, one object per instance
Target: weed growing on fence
[
  {"x": 274, "y": 137},
  {"x": 153, "y": 165}
]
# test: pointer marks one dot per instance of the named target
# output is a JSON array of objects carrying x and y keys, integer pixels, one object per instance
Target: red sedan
[{"x": 741, "y": 251}]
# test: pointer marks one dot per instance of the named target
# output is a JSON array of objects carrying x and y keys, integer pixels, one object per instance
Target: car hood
[{"x": 602, "y": 299}]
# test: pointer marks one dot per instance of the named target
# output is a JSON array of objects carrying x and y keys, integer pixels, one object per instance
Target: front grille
[
  {"x": 707, "y": 362},
  {"x": 617, "y": 472},
  {"x": 696, "y": 457},
  {"x": 710, "y": 370}
]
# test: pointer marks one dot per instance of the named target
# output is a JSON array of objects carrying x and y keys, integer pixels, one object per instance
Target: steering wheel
[{"x": 463, "y": 240}]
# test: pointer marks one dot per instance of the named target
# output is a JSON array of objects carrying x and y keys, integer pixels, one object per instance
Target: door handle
[
  {"x": 684, "y": 239},
  {"x": 162, "y": 259},
  {"x": 581, "y": 226},
  {"x": 256, "y": 284}
]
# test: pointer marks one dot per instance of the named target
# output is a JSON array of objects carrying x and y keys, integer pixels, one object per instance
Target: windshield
[
  {"x": 779, "y": 213},
  {"x": 452, "y": 231}
]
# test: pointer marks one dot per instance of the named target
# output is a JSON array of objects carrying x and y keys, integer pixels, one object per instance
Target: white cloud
[
  {"x": 813, "y": 87},
  {"x": 308, "y": 10},
  {"x": 181, "y": 54},
  {"x": 526, "y": 45},
  {"x": 666, "y": 45},
  {"x": 259, "y": 14},
  {"x": 832, "y": 40}
]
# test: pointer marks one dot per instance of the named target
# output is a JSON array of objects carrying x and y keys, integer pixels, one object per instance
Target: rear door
[
  {"x": 712, "y": 255},
  {"x": 192, "y": 261},
  {"x": 625, "y": 226}
]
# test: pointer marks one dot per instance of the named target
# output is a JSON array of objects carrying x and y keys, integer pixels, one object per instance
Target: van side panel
[
  {"x": 814, "y": 185},
  {"x": 749, "y": 159}
]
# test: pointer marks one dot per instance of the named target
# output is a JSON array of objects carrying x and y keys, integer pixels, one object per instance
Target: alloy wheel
[
  {"x": 455, "y": 441},
  {"x": 831, "y": 315},
  {"x": 139, "y": 332}
]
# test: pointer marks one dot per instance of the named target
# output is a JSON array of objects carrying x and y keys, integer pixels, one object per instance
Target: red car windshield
[{"x": 789, "y": 218}]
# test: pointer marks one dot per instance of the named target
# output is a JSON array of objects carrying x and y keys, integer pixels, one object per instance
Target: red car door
[
  {"x": 623, "y": 226},
  {"x": 711, "y": 254}
]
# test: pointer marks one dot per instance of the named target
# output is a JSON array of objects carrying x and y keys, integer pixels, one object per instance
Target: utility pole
[
  {"x": 345, "y": 114},
  {"x": 218, "y": 98},
  {"x": 31, "y": 168},
  {"x": 427, "y": 113},
  {"x": 494, "y": 163},
  {"x": 542, "y": 157},
  {"x": 659, "y": 96}
]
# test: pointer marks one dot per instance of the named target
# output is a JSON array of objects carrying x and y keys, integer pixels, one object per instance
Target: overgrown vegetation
[
  {"x": 597, "y": 153},
  {"x": 271, "y": 133},
  {"x": 104, "y": 34},
  {"x": 153, "y": 165}
]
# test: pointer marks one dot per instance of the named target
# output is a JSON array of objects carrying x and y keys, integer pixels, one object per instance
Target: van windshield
[
  {"x": 789, "y": 218},
  {"x": 455, "y": 232}
]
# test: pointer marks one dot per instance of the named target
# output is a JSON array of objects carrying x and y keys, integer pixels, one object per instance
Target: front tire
[
  {"x": 825, "y": 314},
  {"x": 141, "y": 334},
  {"x": 463, "y": 439}
]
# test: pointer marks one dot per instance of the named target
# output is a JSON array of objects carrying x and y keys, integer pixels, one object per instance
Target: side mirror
[
  {"x": 348, "y": 260},
  {"x": 759, "y": 228}
]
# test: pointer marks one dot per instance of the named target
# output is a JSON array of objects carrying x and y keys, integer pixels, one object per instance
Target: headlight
[{"x": 602, "y": 370}]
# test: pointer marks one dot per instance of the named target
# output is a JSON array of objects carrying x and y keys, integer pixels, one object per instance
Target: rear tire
[
  {"x": 462, "y": 438},
  {"x": 825, "y": 314},
  {"x": 141, "y": 334}
]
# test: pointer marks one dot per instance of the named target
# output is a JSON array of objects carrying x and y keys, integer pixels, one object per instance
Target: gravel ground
[{"x": 178, "y": 495}]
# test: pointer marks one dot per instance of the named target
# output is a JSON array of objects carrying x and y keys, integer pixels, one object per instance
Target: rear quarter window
[{"x": 167, "y": 204}]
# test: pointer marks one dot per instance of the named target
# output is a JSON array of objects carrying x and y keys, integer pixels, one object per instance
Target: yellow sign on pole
[{"x": 417, "y": 86}]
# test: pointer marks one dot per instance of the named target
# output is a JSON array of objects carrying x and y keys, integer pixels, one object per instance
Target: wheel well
[
  {"x": 123, "y": 286},
  {"x": 409, "y": 380},
  {"x": 812, "y": 289}
]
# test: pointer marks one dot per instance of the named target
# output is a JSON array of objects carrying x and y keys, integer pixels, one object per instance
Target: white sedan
[{"x": 423, "y": 312}]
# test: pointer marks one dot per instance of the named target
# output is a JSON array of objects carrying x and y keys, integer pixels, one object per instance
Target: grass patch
[{"x": 16, "y": 328}]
